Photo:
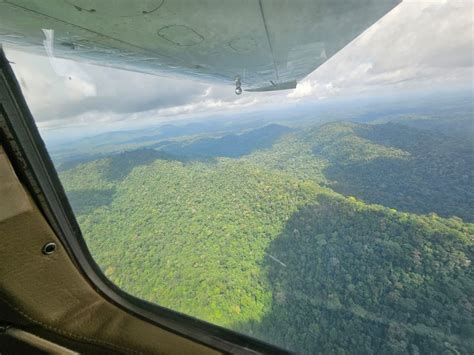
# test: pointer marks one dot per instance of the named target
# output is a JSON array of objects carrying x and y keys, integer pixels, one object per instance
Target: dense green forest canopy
[
  {"x": 402, "y": 167},
  {"x": 335, "y": 238}
]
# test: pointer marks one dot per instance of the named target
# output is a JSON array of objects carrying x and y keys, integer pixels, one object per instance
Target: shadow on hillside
[
  {"x": 200, "y": 150},
  {"x": 120, "y": 165},
  {"x": 397, "y": 136},
  {"x": 86, "y": 200},
  {"x": 333, "y": 273},
  {"x": 230, "y": 145},
  {"x": 404, "y": 184},
  {"x": 436, "y": 177},
  {"x": 73, "y": 162}
]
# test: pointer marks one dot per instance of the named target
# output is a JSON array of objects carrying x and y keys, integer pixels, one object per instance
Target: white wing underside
[{"x": 269, "y": 45}]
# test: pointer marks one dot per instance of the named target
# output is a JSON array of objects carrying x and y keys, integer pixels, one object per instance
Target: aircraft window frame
[{"x": 26, "y": 149}]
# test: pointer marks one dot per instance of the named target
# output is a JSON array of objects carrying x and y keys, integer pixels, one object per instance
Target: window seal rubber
[{"x": 33, "y": 165}]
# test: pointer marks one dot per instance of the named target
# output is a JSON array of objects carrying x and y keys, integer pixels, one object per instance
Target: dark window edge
[{"x": 27, "y": 151}]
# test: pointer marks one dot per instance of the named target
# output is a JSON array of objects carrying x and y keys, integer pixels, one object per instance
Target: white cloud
[
  {"x": 303, "y": 89},
  {"x": 420, "y": 44}
]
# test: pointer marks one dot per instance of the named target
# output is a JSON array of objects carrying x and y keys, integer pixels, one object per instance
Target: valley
[{"x": 360, "y": 234}]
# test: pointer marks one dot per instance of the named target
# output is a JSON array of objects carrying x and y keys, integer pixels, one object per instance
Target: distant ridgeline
[{"x": 340, "y": 238}]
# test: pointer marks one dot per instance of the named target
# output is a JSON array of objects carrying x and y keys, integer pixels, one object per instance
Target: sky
[{"x": 419, "y": 45}]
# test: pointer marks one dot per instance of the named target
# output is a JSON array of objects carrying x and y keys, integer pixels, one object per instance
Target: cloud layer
[{"x": 420, "y": 44}]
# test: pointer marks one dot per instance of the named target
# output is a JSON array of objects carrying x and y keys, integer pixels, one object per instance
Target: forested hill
[
  {"x": 405, "y": 168},
  {"x": 230, "y": 145},
  {"x": 410, "y": 169},
  {"x": 283, "y": 241}
]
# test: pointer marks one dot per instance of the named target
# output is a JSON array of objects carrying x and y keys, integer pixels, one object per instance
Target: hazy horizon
[
  {"x": 288, "y": 113},
  {"x": 420, "y": 46}
]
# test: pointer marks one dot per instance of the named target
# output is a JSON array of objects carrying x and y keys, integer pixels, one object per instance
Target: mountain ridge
[{"x": 299, "y": 233}]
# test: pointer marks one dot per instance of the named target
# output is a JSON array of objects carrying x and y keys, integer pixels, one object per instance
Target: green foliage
[
  {"x": 381, "y": 281},
  {"x": 258, "y": 244},
  {"x": 231, "y": 145},
  {"x": 409, "y": 169}
]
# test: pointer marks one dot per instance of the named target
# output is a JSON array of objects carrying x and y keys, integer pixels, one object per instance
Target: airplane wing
[{"x": 263, "y": 44}]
